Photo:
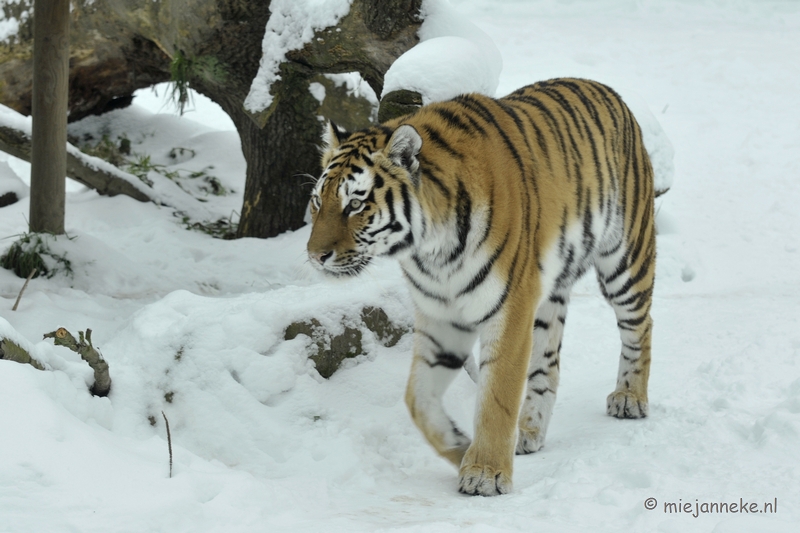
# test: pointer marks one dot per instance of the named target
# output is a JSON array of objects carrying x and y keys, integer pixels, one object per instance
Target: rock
[
  {"x": 329, "y": 351},
  {"x": 398, "y": 103},
  {"x": 377, "y": 321}
]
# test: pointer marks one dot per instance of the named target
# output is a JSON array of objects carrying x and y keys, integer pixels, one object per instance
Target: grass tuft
[{"x": 32, "y": 251}]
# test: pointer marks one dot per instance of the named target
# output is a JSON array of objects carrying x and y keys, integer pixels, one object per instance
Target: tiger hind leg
[
  {"x": 543, "y": 373},
  {"x": 630, "y": 292}
]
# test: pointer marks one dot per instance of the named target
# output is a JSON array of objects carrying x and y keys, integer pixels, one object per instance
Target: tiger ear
[
  {"x": 333, "y": 136},
  {"x": 403, "y": 148}
]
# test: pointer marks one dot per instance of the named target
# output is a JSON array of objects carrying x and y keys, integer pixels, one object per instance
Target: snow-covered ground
[{"x": 193, "y": 326}]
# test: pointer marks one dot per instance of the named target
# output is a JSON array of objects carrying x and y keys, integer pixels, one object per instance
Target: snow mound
[
  {"x": 454, "y": 57},
  {"x": 440, "y": 69}
]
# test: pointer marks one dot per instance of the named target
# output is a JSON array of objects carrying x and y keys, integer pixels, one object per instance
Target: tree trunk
[
  {"x": 371, "y": 36},
  {"x": 49, "y": 134}
]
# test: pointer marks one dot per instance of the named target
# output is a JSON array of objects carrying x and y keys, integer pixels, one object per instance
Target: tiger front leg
[
  {"x": 439, "y": 353},
  {"x": 488, "y": 465}
]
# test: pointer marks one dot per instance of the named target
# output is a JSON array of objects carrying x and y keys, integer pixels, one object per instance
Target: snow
[
  {"x": 454, "y": 57},
  {"x": 10, "y": 182},
  {"x": 262, "y": 443},
  {"x": 290, "y": 26},
  {"x": 440, "y": 69},
  {"x": 9, "y": 25},
  {"x": 163, "y": 190}
]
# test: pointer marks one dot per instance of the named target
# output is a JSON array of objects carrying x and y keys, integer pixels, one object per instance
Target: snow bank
[
  {"x": 291, "y": 25},
  {"x": 454, "y": 57},
  {"x": 10, "y": 182}
]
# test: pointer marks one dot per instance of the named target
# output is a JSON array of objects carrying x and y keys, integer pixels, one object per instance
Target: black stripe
[
  {"x": 429, "y": 170},
  {"x": 438, "y": 140},
  {"x": 489, "y": 218},
  {"x": 537, "y": 372},
  {"x": 447, "y": 360},
  {"x": 422, "y": 268},
  {"x": 452, "y": 119},
  {"x": 463, "y": 222},
  {"x": 472, "y": 103},
  {"x": 578, "y": 91},
  {"x": 497, "y": 306},
  {"x": 407, "y": 241},
  {"x": 406, "y": 202},
  {"x": 541, "y": 324},
  {"x": 393, "y": 224},
  {"x": 480, "y": 277},
  {"x": 551, "y": 121},
  {"x": 633, "y": 321},
  {"x": 423, "y": 291},
  {"x": 430, "y": 338}
]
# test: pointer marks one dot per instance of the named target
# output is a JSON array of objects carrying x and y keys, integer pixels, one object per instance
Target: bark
[
  {"x": 48, "y": 151},
  {"x": 11, "y": 351}
]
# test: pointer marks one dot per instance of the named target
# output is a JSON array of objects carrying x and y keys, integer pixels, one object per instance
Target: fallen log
[{"x": 90, "y": 171}]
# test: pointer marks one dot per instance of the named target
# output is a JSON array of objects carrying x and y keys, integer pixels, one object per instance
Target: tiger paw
[
  {"x": 482, "y": 480},
  {"x": 625, "y": 404},
  {"x": 529, "y": 440}
]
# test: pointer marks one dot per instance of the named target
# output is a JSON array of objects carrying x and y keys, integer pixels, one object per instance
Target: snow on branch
[
  {"x": 95, "y": 173},
  {"x": 291, "y": 25}
]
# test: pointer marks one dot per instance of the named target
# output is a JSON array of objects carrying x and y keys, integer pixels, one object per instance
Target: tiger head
[{"x": 363, "y": 204}]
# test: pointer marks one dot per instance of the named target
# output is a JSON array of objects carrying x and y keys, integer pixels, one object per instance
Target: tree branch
[
  {"x": 11, "y": 351},
  {"x": 83, "y": 347}
]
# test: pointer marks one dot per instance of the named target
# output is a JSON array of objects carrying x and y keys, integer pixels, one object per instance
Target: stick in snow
[
  {"x": 25, "y": 286},
  {"x": 169, "y": 443}
]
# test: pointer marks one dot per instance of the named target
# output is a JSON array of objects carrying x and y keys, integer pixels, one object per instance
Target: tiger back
[{"x": 494, "y": 208}]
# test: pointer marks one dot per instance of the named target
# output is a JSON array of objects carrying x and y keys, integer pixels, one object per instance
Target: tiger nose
[{"x": 321, "y": 257}]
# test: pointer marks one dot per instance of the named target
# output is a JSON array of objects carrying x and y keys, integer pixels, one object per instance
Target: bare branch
[{"x": 83, "y": 347}]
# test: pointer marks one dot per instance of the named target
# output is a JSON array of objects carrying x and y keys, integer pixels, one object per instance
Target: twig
[
  {"x": 102, "y": 380},
  {"x": 33, "y": 273},
  {"x": 169, "y": 443}
]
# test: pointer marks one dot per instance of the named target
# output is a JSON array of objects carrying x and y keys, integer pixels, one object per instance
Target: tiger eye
[{"x": 355, "y": 203}]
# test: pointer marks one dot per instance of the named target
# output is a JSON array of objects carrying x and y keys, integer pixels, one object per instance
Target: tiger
[{"x": 494, "y": 208}]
